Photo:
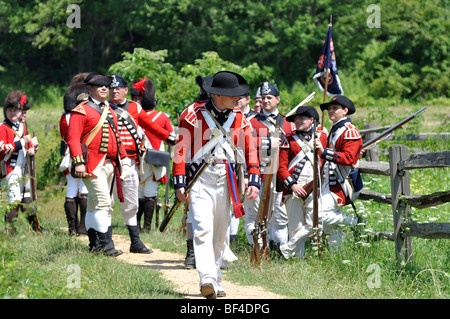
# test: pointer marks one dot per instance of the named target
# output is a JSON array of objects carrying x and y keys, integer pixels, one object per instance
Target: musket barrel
[{"x": 392, "y": 128}]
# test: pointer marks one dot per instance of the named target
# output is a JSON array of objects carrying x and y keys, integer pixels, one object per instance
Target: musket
[
  {"x": 309, "y": 186},
  {"x": 315, "y": 182},
  {"x": 157, "y": 208},
  {"x": 266, "y": 205},
  {"x": 306, "y": 100},
  {"x": 33, "y": 186},
  {"x": 167, "y": 203},
  {"x": 177, "y": 203},
  {"x": 377, "y": 139}
]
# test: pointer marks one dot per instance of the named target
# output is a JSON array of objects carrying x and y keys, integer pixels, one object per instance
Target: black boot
[
  {"x": 189, "y": 261},
  {"x": 10, "y": 219},
  {"x": 70, "y": 207},
  {"x": 137, "y": 246},
  {"x": 93, "y": 240},
  {"x": 149, "y": 208},
  {"x": 140, "y": 212},
  {"x": 106, "y": 244},
  {"x": 82, "y": 204}
]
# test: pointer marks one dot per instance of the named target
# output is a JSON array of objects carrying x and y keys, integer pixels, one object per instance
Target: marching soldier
[
  {"x": 341, "y": 152},
  {"x": 296, "y": 172},
  {"x": 131, "y": 116},
  {"x": 96, "y": 153},
  {"x": 76, "y": 191},
  {"x": 151, "y": 174},
  {"x": 263, "y": 126},
  {"x": 15, "y": 145},
  {"x": 210, "y": 133},
  {"x": 189, "y": 261}
]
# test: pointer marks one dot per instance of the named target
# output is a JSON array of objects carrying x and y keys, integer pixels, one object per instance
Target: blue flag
[{"x": 327, "y": 60}]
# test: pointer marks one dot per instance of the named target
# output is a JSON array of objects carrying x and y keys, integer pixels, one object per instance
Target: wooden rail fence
[{"x": 401, "y": 200}]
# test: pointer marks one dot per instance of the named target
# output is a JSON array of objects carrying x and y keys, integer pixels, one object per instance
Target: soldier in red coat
[
  {"x": 296, "y": 171},
  {"x": 263, "y": 125},
  {"x": 76, "y": 191},
  {"x": 214, "y": 194},
  {"x": 131, "y": 116},
  {"x": 15, "y": 144},
  {"x": 96, "y": 152},
  {"x": 150, "y": 174},
  {"x": 340, "y": 155}
]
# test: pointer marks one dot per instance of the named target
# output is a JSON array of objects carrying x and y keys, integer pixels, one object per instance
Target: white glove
[{"x": 126, "y": 166}]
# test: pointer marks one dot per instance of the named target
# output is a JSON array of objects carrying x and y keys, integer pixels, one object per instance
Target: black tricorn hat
[
  {"x": 304, "y": 110},
  {"x": 225, "y": 83},
  {"x": 342, "y": 101},
  {"x": 97, "y": 79}
]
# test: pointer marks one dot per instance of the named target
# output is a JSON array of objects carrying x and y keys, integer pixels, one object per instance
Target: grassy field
[{"x": 40, "y": 265}]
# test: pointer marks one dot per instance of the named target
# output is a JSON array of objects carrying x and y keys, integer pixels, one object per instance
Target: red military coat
[
  {"x": 11, "y": 144},
  {"x": 140, "y": 118},
  {"x": 260, "y": 128},
  {"x": 64, "y": 130},
  {"x": 289, "y": 150},
  {"x": 157, "y": 143},
  {"x": 194, "y": 133},
  {"x": 343, "y": 148},
  {"x": 83, "y": 120}
]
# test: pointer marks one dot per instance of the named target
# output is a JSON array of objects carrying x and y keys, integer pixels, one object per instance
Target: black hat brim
[
  {"x": 308, "y": 111},
  {"x": 238, "y": 88},
  {"x": 342, "y": 102}
]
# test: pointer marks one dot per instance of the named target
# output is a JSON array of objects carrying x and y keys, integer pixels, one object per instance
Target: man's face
[
  {"x": 118, "y": 94},
  {"x": 270, "y": 102},
  {"x": 98, "y": 92},
  {"x": 258, "y": 105},
  {"x": 13, "y": 114},
  {"x": 303, "y": 123},
  {"x": 336, "y": 112},
  {"x": 223, "y": 102},
  {"x": 243, "y": 102}
]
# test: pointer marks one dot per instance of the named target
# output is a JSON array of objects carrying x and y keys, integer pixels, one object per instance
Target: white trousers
[
  {"x": 147, "y": 186},
  {"x": 129, "y": 207},
  {"x": 99, "y": 201},
  {"x": 75, "y": 186},
  {"x": 299, "y": 214},
  {"x": 277, "y": 228},
  {"x": 330, "y": 218},
  {"x": 13, "y": 185},
  {"x": 210, "y": 212}
]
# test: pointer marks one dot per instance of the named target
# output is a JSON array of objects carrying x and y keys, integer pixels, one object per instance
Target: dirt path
[{"x": 171, "y": 265}]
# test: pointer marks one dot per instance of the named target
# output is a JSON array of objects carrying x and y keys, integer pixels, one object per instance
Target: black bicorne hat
[
  {"x": 304, "y": 110},
  {"x": 225, "y": 83},
  {"x": 342, "y": 101},
  {"x": 97, "y": 79}
]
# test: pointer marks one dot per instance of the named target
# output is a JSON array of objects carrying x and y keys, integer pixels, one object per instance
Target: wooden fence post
[
  {"x": 400, "y": 186},
  {"x": 372, "y": 155}
]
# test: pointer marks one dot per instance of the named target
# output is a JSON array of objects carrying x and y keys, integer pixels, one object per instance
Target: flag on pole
[{"x": 327, "y": 60}]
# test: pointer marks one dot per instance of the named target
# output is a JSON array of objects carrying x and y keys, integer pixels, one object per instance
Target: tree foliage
[{"x": 405, "y": 58}]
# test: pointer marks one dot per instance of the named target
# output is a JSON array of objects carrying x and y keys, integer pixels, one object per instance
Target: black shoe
[
  {"x": 189, "y": 261},
  {"x": 137, "y": 246},
  {"x": 207, "y": 291},
  {"x": 143, "y": 250}
]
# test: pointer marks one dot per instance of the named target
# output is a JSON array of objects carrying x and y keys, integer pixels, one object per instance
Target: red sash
[{"x": 238, "y": 209}]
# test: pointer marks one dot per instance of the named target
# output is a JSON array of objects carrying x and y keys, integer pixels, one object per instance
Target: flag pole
[{"x": 327, "y": 73}]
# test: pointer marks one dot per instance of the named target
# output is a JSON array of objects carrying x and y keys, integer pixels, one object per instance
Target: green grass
[{"x": 39, "y": 265}]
